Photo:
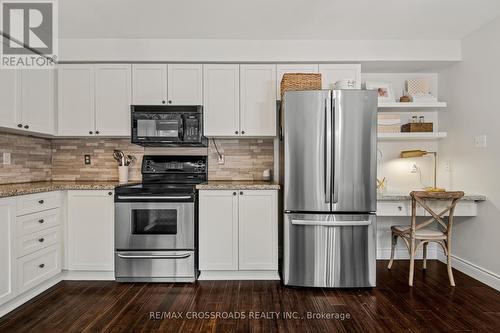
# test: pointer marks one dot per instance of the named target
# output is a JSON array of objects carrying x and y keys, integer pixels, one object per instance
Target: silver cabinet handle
[
  {"x": 337, "y": 134},
  {"x": 153, "y": 198},
  {"x": 163, "y": 256},
  {"x": 327, "y": 153},
  {"x": 330, "y": 223}
]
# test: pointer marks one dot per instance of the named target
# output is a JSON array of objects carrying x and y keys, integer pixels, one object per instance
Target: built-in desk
[{"x": 398, "y": 204}]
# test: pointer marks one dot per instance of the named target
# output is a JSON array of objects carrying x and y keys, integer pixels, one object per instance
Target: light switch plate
[
  {"x": 6, "y": 158},
  {"x": 480, "y": 141}
]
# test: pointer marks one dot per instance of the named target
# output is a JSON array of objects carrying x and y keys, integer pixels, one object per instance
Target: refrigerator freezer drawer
[{"x": 326, "y": 250}]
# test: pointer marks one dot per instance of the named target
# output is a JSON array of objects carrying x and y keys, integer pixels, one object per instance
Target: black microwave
[{"x": 168, "y": 125}]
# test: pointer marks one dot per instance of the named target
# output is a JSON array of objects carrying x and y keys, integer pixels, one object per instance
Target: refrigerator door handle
[
  {"x": 330, "y": 223},
  {"x": 336, "y": 148},
  {"x": 327, "y": 153}
]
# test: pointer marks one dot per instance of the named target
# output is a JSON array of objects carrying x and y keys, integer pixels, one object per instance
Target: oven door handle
[
  {"x": 169, "y": 256},
  {"x": 183, "y": 197}
]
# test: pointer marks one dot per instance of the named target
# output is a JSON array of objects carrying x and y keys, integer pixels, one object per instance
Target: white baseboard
[
  {"x": 239, "y": 275},
  {"x": 481, "y": 274},
  {"x": 88, "y": 275},
  {"x": 28, "y": 295},
  {"x": 402, "y": 253}
]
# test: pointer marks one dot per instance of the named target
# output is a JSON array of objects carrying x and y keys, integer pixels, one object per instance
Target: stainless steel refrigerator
[{"x": 329, "y": 194}]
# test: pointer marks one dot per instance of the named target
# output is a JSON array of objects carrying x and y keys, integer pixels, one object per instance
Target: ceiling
[{"x": 275, "y": 19}]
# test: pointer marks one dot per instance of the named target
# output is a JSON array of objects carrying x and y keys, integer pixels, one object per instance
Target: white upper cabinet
[
  {"x": 292, "y": 68},
  {"x": 112, "y": 99},
  {"x": 37, "y": 104},
  {"x": 9, "y": 90},
  {"x": 258, "y": 100},
  {"x": 76, "y": 100},
  {"x": 27, "y": 100},
  {"x": 149, "y": 84},
  {"x": 331, "y": 73},
  {"x": 221, "y": 100},
  {"x": 185, "y": 84}
]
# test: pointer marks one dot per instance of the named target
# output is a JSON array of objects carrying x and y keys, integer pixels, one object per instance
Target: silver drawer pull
[
  {"x": 171, "y": 256},
  {"x": 330, "y": 223},
  {"x": 41, "y": 220},
  {"x": 41, "y": 240},
  {"x": 41, "y": 265},
  {"x": 154, "y": 198}
]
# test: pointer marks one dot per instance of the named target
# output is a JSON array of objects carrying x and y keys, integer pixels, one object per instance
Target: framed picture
[{"x": 384, "y": 90}]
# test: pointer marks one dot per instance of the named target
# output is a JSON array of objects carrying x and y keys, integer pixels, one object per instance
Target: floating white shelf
[
  {"x": 411, "y": 136},
  {"x": 411, "y": 105}
]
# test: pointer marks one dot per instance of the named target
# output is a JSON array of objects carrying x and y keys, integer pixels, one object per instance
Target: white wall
[
  {"x": 472, "y": 90},
  {"x": 225, "y": 50}
]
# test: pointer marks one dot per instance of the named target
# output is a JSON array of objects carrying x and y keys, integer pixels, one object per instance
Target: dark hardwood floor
[{"x": 430, "y": 306}]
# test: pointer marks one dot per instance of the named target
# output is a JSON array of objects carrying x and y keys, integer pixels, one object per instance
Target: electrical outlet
[
  {"x": 447, "y": 166},
  {"x": 222, "y": 160},
  {"x": 480, "y": 141},
  {"x": 87, "y": 159},
  {"x": 6, "y": 158}
]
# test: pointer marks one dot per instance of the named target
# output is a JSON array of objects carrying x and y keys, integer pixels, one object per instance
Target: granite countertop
[
  {"x": 406, "y": 196},
  {"x": 9, "y": 190},
  {"x": 237, "y": 185}
]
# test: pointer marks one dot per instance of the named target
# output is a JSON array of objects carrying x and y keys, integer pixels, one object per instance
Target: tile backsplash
[
  {"x": 30, "y": 159},
  {"x": 40, "y": 159}
]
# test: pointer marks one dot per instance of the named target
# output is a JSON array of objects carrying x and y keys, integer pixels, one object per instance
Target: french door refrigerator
[{"x": 329, "y": 194}]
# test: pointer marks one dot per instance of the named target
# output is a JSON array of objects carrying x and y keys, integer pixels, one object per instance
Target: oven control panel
[{"x": 152, "y": 164}]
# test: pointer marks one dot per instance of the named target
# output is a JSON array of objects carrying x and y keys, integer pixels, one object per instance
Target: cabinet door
[
  {"x": 90, "y": 216},
  {"x": 112, "y": 99},
  {"x": 149, "y": 84},
  {"x": 331, "y": 73},
  {"x": 258, "y": 100},
  {"x": 7, "y": 250},
  {"x": 184, "y": 84},
  {"x": 76, "y": 100},
  {"x": 37, "y": 104},
  {"x": 9, "y": 98},
  {"x": 258, "y": 230},
  {"x": 221, "y": 100},
  {"x": 218, "y": 226},
  {"x": 291, "y": 68}
]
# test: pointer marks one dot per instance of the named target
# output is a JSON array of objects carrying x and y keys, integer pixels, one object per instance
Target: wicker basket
[{"x": 300, "y": 81}]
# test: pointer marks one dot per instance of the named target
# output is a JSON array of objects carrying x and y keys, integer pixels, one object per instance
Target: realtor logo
[{"x": 29, "y": 33}]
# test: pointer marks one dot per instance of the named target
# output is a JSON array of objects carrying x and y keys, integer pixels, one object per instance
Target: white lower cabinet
[
  {"x": 90, "y": 231},
  {"x": 238, "y": 231},
  {"x": 7, "y": 250},
  {"x": 37, "y": 267}
]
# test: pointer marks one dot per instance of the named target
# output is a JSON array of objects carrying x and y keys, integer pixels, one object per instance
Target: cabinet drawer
[
  {"x": 37, "y": 241},
  {"x": 37, "y": 267},
  {"x": 34, "y": 203},
  {"x": 32, "y": 223},
  {"x": 397, "y": 208}
]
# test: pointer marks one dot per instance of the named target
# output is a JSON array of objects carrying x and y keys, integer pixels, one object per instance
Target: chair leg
[
  {"x": 424, "y": 266},
  {"x": 412, "y": 261},
  {"x": 450, "y": 272},
  {"x": 393, "y": 245}
]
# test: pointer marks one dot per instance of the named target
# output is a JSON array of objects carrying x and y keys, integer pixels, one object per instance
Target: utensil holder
[{"x": 123, "y": 173}]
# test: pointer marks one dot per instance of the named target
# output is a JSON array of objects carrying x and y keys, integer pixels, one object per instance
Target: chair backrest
[{"x": 419, "y": 197}]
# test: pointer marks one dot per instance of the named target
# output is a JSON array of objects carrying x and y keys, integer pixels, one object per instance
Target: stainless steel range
[{"x": 156, "y": 221}]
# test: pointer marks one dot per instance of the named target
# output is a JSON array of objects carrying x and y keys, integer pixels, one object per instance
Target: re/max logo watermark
[{"x": 29, "y": 33}]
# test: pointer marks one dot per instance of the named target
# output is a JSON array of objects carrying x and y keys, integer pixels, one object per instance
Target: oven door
[{"x": 154, "y": 225}]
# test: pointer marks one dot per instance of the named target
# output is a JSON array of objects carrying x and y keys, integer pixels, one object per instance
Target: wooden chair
[{"x": 413, "y": 233}]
